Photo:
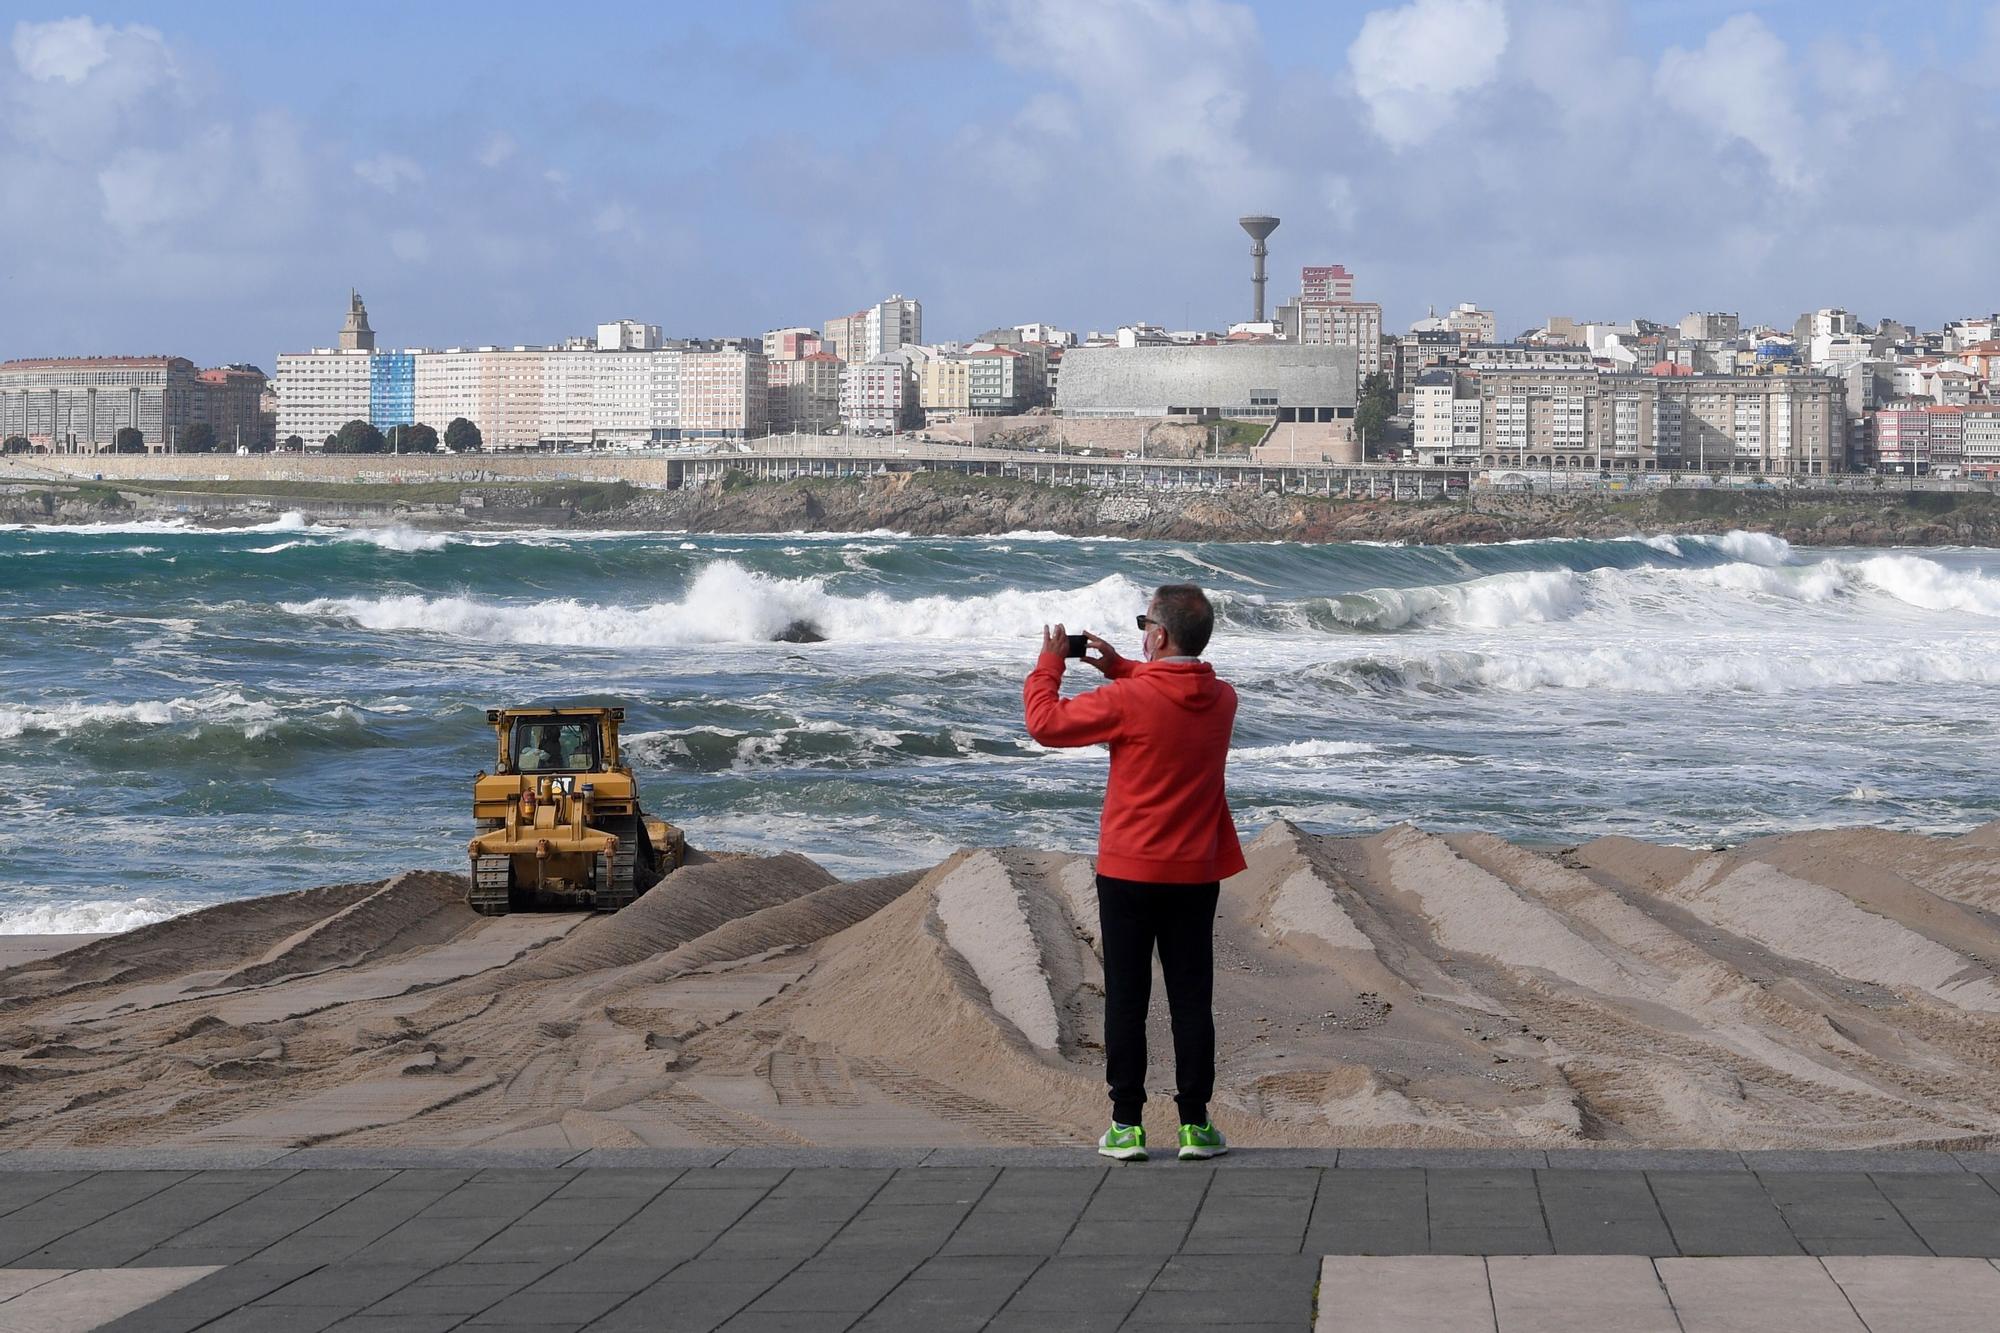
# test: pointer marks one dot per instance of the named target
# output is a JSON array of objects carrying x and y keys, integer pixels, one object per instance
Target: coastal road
[{"x": 409, "y": 1241}]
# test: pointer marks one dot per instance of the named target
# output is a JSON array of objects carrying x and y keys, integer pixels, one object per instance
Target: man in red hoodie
[{"x": 1165, "y": 844}]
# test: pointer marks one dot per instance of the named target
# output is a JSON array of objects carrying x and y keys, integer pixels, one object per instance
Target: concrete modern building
[
  {"x": 891, "y": 324},
  {"x": 1426, "y": 350},
  {"x": 230, "y": 400},
  {"x": 725, "y": 393},
  {"x": 1471, "y": 324},
  {"x": 805, "y": 392},
  {"x": 944, "y": 386},
  {"x": 791, "y": 344},
  {"x": 1928, "y": 439},
  {"x": 323, "y": 390},
  {"x": 877, "y": 396},
  {"x": 998, "y": 380},
  {"x": 1711, "y": 326},
  {"x": 628, "y": 335},
  {"x": 1980, "y": 439},
  {"x": 78, "y": 404},
  {"x": 1285, "y": 381},
  {"x": 1355, "y": 324},
  {"x": 846, "y": 337},
  {"x": 1447, "y": 419},
  {"x": 1326, "y": 282}
]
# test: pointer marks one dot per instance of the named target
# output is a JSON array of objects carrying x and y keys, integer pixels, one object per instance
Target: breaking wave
[
  {"x": 94, "y": 917},
  {"x": 726, "y": 603}
]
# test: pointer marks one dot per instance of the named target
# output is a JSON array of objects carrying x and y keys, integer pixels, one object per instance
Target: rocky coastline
[{"x": 946, "y": 504}]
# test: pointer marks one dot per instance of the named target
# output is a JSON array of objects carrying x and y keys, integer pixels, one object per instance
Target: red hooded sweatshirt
[{"x": 1167, "y": 723}]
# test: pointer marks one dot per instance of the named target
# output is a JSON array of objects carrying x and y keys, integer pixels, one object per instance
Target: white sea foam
[
  {"x": 727, "y": 603},
  {"x": 96, "y": 916},
  {"x": 398, "y": 537},
  {"x": 62, "y": 719},
  {"x": 1304, "y": 750},
  {"x": 1930, "y": 585}
]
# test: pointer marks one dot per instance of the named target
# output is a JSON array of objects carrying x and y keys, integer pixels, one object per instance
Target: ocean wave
[
  {"x": 96, "y": 916},
  {"x": 726, "y": 603},
  {"x": 1305, "y": 750},
  {"x": 1649, "y": 669},
  {"x": 69, "y": 717},
  {"x": 1927, "y": 584}
]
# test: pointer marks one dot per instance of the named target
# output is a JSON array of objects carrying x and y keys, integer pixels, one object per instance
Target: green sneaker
[
  {"x": 1201, "y": 1141},
  {"x": 1125, "y": 1142}
]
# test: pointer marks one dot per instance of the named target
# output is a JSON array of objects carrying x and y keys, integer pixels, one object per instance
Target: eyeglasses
[{"x": 1144, "y": 621}]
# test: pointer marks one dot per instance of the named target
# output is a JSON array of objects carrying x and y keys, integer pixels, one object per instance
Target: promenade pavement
[{"x": 1055, "y": 1239}]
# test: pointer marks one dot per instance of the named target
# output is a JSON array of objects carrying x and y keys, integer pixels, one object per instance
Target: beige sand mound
[{"x": 1832, "y": 987}]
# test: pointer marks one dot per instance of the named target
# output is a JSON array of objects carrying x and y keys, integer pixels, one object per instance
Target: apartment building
[
  {"x": 1447, "y": 418},
  {"x": 78, "y": 404},
  {"x": 1927, "y": 439},
  {"x": 877, "y": 396},
  {"x": 323, "y": 390},
  {"x": 1980, "y": 440},
  {"x": 230, "y": 401},
  {"x": 944, "y": 386},
  {"x": 1558, "y": 418},
  {"x": 725, "y": 393},
  {"x": 805, "y": 392},
  {"x": 998, "y": 380},
  {"x": 1471, "y": 324}
]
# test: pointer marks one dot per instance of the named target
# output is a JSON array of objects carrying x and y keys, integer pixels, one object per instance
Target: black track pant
[{"x": 1180, "y": 919}]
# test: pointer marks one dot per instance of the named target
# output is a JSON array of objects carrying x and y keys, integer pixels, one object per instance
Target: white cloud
[
  {"x": 1411, "y": 65},
  {"x": 66, "y": 50},
  {"x": 499, "y": 146},
  {"x": 389, "y": 172},
  {"x": 1163, "y": 82},
  {"x": 1740, "y": 86}
]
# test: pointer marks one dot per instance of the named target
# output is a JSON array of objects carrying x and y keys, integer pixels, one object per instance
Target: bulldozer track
[
  {"x": 811, "y": 1074},
  {"x": 960, "y": 1108},
  {"x": 717, "y": 1126},
  {"x": 492, "y": 882}
]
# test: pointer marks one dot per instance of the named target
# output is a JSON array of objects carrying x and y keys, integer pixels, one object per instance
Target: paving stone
[
  {"x": 1603, "y": 1212},
  {"x": 939, "y": 1305},
  {"x": 760, "y": 1179},
  {"x": 1403, "y": 1294},
  {"x": 1961, "y": 1239},
  {"x": 426, "y": 1298},
  {"x": 1644, "y": 1159},
  {"x": 522, "y": 1243},
  {"x": 827, "y": 1157},
  {"x": 433, "y": 1158},
  {"x": 1009, "y": 1233},
  {"x": 1940, "y": 1198},
  {"x": 667, "y": 1307},
  {"x": 1739, "y": 1295},
  {"x": 355, "y": 1285},
  {"x": 48, "y": 1219},
  {"x": 90, "y": 1298},
  {"x": 1280, "y": 1182},
  {"x": 1007, "y": 1321},
  {"x": 1721, "y": 1213},
  {"x": 833, "y": 1284},
  {"x": 1578, "y": 1293},
  {"x": 1370, "y": 1212},
  {"x": 1285, "y": 1159},
  {"x": 193, "y": 1306},
  {"x": 1910, "y": 1293},
  {"x": 1140, "y": 1236},
  {"x": 397, "y": 1323},
  {"x": 1825, "y": 1245},
  {"x": 1884, "y": 1160},
  {"x": 642, "y": 1183},
  {"x": 146, "y": 1223},
  {"x": 21, "y": 1188},
  {"x": 597, "y": 1273},
  {"x": 1438, "y": 1159},
  {"x": 548, "y": 1307},
  {"x": 278, "y": 1319},
  {"x": 1015, "y": 1158},
  {"x": 1983, "y": 1163},
  {"x": 1233, "y": 1307},
  {"x": 788, "y": 1321},
  {"x": 1486, "y": 1212},
  {"x": 915, "y": 1229},
  {"x": 1067, "y": 1286},
  {"x": 930, "y": 1186}
]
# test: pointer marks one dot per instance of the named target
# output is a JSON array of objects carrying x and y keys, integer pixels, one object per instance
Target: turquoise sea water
[{"x": 187, "y": 716}]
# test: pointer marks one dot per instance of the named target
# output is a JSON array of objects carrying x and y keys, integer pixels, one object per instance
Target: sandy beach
[{"x": 1817, "y": 989}]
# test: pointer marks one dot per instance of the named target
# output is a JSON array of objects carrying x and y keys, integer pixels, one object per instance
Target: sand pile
[{"x": 1825, "y": 988}]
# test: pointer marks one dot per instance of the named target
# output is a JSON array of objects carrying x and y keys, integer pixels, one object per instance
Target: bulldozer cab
[{"x": 562, "y": 740}]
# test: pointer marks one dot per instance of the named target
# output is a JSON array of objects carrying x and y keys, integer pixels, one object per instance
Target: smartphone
[{"x": 1077, "y": 644}]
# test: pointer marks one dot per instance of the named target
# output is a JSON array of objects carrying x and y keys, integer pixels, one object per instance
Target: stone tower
[{"x": 355, "y": 335}]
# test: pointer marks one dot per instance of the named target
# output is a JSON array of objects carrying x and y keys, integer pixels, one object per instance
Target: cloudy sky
[{"x": 209, "y": 178}]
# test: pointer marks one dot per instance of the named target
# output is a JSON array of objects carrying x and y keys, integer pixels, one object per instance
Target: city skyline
[{"x": 510, "y": 182}]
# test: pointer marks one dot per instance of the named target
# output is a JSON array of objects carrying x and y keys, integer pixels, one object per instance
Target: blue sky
[{"x": 210, "y": 178}]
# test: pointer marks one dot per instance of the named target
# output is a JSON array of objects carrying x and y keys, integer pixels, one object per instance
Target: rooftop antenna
[{"x": 1259, "y": 228}]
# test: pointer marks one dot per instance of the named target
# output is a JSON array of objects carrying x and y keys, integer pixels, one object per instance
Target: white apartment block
[
  {"x": 321, "y": 391},
  {"x": 628, "y": 335},
  {"x": 805, "y": 393},
  {"x": 876, "y": 395},
  {"x": 892, "y": 323},
  {"x": 1981, "y": 441}
]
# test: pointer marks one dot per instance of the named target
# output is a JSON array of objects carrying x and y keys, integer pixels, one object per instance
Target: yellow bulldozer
[{"x": 559, "y": 819}]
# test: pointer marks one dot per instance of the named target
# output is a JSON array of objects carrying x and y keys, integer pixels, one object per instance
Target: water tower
[{"x": 1259, "y": 228}]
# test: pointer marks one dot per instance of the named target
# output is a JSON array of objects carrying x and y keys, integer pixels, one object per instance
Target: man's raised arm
[{"x": 1088, "y": 719}]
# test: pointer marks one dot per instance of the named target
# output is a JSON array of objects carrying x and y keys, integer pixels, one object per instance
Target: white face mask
[{"x": 1156, "y": 638}]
